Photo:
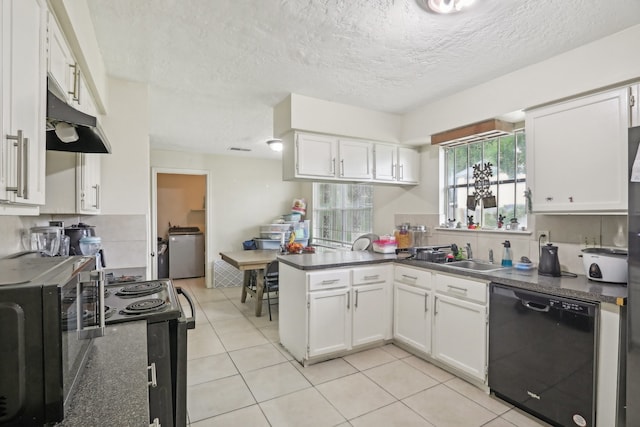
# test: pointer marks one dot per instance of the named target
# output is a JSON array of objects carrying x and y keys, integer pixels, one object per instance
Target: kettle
[{"x": 549, "y": 263}]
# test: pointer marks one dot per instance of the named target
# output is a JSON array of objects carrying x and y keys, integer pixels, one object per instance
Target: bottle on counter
[
  {"x": 403, "y": 236},
  {"x": 507, "y": 258}
]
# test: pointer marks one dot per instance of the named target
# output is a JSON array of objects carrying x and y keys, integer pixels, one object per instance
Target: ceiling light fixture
[
  {"x": 445, "y": 6},
  {"x": 275, "y": 144}
]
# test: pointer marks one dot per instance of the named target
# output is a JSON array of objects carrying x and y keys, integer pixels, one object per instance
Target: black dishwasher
[{"x": 542, "y": 354}]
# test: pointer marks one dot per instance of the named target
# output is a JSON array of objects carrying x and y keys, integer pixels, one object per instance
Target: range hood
[{"x": 71, "y": 130}]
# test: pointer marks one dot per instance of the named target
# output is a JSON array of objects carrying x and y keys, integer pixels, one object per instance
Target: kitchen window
[
  {"x": 341, "y": 213},
  {"x": 507, "y": 155}
]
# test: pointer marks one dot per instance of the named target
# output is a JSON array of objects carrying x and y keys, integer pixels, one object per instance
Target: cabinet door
[
  {"x": 88, "y": 179},
  {"x": 385, "y": 157},
  {"x": 634, "y": 94},
  {"x": 315, "y": 156},
  {"x": 370, "y": 314},
  {"x": 460, "y": 335},
  {"x": 355, "y": 159},
  {"x": 329, "y": 324},
  {"x": 411, "y": 316},
  {"x": 577, "y": 154},
  {"x": 23, "y": 107},
  {"x": 408, "y": 165},
  {"x": 59, "y": 60}
]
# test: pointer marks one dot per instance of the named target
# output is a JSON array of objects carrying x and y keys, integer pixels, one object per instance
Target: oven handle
[{"x": 191, "y": 321}]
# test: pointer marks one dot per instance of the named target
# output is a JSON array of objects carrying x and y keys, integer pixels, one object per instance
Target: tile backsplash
[
  {"x": 571, "y": 233},
  {"x": 124, "y": 237}
]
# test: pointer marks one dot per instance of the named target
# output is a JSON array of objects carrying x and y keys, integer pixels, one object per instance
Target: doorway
[{"x": 179, "y": 199}]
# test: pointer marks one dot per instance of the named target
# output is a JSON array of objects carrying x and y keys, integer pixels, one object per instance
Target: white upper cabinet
[
  {"x": 396, "y": 164},
  {"x": 385, "y": 157},
  {"x": 59, "y": 60},
  {"x": 635, "y": 104},
  {"x": 356, "y": 159},
  {"x": 22, "y": 154},
  {"x": 88, "y": 183},
  {"x": 315, "y": 157},
  {"x": 73, "y": 183},
  {"x": 408, "y": 165},
  {"x": 577, "y": 154},
  {"x": 66, "y": 80}
]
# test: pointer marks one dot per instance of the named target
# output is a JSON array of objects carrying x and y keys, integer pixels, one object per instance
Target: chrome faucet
[
  {"x": 491, "y": 256},
  {"x": 469, "y": 252}
]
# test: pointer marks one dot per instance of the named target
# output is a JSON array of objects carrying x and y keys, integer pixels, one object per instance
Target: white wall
[
  {"x": 605, "y": 62},
  {"x": 317, "y": 115},
  {"x": 244, "y": 194},
  {"x": 125, "y": 172}
]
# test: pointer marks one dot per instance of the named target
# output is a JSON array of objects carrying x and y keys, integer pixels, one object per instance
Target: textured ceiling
[{"x": 215, "y": 68}]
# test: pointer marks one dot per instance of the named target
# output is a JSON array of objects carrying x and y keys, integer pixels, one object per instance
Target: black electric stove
[{"x": 156, "y": 301}]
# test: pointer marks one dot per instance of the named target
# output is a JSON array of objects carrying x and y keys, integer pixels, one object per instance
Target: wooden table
[{"x": 247, "y": 261}]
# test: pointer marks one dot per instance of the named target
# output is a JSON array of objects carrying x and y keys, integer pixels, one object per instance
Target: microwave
[{"x": 51, "y": 310}]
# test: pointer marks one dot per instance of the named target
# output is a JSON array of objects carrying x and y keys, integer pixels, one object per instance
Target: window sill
[{"x": 485, "y": 231}]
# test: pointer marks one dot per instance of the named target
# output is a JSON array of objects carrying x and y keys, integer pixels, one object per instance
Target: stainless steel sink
[{"x": 474, "y": 265}]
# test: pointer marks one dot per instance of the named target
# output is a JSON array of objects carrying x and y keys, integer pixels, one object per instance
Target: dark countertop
[
  {"x": 113, "y": 390},
  {"x": 335, "y": 259},
  {"x": 573, "y": 287}
]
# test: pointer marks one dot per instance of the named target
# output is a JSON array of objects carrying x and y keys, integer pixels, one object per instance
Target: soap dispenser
[{"x": 506, "y": 255}]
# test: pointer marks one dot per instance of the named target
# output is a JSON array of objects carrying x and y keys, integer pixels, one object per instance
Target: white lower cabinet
[
  {"x": 329, "y": 313},
  {"x": 460, "y": 325},
  {"x": 459, "y": 335},
  {"x": 412, "y": 316},
  {"x": 369, "y": 319}
]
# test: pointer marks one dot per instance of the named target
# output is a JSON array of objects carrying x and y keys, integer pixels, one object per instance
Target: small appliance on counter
[
  {"x": 549, "y": 263},
  {"x": 92, "y": 246},
  {"x": 77, "y": 232},
  {"x": 605, "y": 265}
]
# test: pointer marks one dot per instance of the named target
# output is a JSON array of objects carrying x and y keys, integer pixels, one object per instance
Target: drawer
[
  {"x": 328, "y": 279},
  {"x": 461, "y": 287},
  {"x": 366, "y": 275},
  {"x": 413, "y": 276}
]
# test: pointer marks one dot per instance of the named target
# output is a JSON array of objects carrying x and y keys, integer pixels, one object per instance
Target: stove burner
[
  {"x": 144, "y": 306},
  {"x": 140, "y": 289}
]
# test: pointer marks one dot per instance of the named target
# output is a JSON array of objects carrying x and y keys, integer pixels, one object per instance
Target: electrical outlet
[{"x": 544, "y": 239}]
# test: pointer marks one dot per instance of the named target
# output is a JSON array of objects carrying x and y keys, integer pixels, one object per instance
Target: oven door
[{"x": 180, "y": 378}]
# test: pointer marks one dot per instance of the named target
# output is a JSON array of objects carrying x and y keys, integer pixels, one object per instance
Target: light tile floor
[{"x": 239, "y": 375}]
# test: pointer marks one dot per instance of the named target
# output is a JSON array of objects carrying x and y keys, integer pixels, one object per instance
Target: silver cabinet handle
[
  {"x": 457, "y": 289},
  {"x": 374, "y": 277},
  {"x": 426, "y": 297},
  {"x": 155, "y": 423},
  {"x": 401, "y": 172},
  {"x": 76, "y": 82},
  {"x": 348, "y": 300},
  {"x": 19, "y": 141},
  {"x": 409, "y": 277},
  {"x": 97, "y": 188},
  {"x": 329, "y": 282},
  {"x": 342, "y": 167},
  {"x": 154, "y": 375},
  {"x": 356, "y": 303},
  {"x": 25, "y": 168},
  {"x": 333, "y": 166},
  {"x": 435, "y": 305}
]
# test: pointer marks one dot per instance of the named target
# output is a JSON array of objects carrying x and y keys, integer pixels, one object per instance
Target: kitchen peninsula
[{"x": 338, "y": 303}]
